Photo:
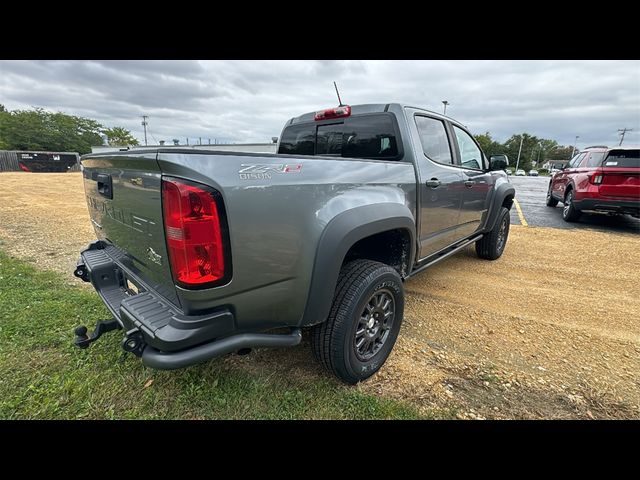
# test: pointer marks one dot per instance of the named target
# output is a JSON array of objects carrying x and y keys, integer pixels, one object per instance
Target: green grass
[{"x": 42, "y": 375}]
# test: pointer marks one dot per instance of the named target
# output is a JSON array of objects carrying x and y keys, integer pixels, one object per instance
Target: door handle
[
  {"x": 105, "y": 185},
  {"x": 469, "y": 183},
  {"x": 433, "y": 183}
]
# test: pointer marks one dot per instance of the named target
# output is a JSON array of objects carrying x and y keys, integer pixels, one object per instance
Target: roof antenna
[{"x": 338, "y": 93}]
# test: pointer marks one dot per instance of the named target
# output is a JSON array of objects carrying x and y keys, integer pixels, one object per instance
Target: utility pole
[
  {"x": 445, "y": 103},
  {"x": 623, "y": 130},
  {"x": 144, "y": 124},
  {"x": 519, "y": 150}
]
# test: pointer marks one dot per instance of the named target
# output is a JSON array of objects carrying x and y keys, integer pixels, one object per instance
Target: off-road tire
[
  {"x": 551, "y": 202},
  {"x": 569, "y": 212},
  {"x": 334, "y": 341},
  {"x": 493, "y": 243}
]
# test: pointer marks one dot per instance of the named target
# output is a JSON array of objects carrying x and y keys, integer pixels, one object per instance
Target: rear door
[
  {"x": 621, "y": 174},
  {"x": 562, "y": 179},
  {"x": 440, "y": 184},
  {"x": 125, "y": 204},
  {"x": 478, "y": 184}
]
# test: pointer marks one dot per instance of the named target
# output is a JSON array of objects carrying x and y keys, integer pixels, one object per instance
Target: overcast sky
[{"x": 249, "y": 101}]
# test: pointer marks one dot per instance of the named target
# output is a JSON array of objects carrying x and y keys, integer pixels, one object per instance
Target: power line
[{"x": 623, "y": 130}]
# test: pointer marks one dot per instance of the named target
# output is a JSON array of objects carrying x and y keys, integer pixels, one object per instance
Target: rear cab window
[{"x": 368, "y": 136}]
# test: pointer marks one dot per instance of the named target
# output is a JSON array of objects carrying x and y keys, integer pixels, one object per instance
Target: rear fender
[{"x": 340, "y": 234}]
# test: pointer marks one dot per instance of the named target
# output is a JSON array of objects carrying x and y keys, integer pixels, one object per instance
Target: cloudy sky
[{"x": 249, "y": 101}]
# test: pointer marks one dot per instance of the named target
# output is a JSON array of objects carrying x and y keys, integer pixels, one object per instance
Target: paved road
[{"x": 531, "y": 193}]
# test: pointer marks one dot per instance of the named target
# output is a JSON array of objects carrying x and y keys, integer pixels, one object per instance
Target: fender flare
[
  {"x": 502, "y": 191},
  {"x": 340, "y": 234}
]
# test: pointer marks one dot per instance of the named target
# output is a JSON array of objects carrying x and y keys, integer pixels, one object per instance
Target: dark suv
[{"x": 604, "y": 179}]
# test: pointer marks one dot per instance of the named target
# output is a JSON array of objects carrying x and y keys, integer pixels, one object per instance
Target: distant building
[{"x": 225, "y": 147}]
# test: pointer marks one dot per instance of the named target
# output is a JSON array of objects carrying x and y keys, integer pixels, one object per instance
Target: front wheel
[
  {"x": 492, "y": 244},
  {"x": 569, "y": 212},
  {"x": 364, "y": 321}
]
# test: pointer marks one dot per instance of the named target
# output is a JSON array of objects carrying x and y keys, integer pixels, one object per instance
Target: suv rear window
[
  {"x": 361, "y": 136},
  {"x": 623, "y": 158}
]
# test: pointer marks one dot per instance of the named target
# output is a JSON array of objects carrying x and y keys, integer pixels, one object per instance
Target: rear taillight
[
  {"x": 338, "y": 112},
  {"x": 195, "y": 227},
  {"x": 596, "y": 178}
]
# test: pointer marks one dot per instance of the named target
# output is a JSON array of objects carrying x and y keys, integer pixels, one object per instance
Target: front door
[
  {"x": 478, "y": 184},
  {"x": 441, "y": 185}
]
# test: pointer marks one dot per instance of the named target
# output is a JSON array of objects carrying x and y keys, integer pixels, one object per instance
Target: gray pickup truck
[{"x": 203, "y": 253}]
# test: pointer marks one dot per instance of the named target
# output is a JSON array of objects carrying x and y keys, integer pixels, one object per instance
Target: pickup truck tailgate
[{"x": 125, "y": 204}]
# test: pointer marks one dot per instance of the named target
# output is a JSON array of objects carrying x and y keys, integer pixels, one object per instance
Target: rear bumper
[
  {"x": 171, "y": 338},
  {"x": 607, "y": 205}
]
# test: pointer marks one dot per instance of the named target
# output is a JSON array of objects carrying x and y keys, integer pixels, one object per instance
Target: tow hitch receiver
[{"x": 82, "y": 340}]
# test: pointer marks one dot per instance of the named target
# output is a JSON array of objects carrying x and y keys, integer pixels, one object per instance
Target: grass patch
[{"x": 42, "y": 375}]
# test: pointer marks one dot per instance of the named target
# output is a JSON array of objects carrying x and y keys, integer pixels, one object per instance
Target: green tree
[
  {"x": 38, "y": 129},
  {"x": 120, "y": 137},
  {"x": 3, "y": 116},
  {"x": 530, "y": 146},
  {"x": 489, "y": 145}
]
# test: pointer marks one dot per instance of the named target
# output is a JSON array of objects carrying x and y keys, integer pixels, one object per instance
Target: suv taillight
[
  {"x": 196, "y": 231},
  {"x": 596, "y": 178}
]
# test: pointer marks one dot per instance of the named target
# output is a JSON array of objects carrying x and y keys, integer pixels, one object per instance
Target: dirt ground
[{"x": 550, "y": 330}]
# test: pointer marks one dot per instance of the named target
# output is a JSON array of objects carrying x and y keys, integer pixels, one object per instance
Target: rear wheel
[
  {"x": 364, "y": 321},
  {"x": 492, "y": 244},
  {"x": 569, "y": 212},
  {"x": 551, "y": 202}
]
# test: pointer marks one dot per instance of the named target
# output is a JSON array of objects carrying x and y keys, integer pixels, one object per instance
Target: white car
[
  {"x": 533, "y": 173},
  {"x": 521, "y": 173}
]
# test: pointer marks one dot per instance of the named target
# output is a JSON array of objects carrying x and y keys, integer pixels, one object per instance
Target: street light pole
[
  {"x": 519, "y": 150},
  {"x": 445, "y": 103},
  {"x": 574, "y": 146}
]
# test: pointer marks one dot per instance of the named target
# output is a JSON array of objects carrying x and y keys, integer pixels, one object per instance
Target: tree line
[
  {"x": 534, "y": 153},
  {"x": 38, "y": 129}
]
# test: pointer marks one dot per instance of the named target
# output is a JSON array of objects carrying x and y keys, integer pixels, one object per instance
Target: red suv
[{"x": 605, "y": 179}]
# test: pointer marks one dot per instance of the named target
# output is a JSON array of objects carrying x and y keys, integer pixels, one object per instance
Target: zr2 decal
[{"x": 264, "y": 172}]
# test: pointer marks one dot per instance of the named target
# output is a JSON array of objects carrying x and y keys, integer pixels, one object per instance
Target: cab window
[{"x": 470, "y": 154}]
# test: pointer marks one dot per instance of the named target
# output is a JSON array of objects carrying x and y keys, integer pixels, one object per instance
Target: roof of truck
[{"x": 371, "y": 108}]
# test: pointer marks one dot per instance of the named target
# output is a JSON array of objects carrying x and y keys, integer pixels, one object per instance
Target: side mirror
[{"x": 498, "y": 162}]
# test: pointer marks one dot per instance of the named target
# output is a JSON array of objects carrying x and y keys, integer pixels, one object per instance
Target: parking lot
[
  {"x": 550, "y": 330},
  {"x": 530, "y": 195}
]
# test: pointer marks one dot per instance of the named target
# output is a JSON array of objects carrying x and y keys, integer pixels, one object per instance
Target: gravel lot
[{"x": 551, "y": 330}]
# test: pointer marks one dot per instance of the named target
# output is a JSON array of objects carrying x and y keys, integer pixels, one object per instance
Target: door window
[
  {"x": 470, "y": 154},
  {"x": 433, "y": 136},
  {"x": 576, "y": 160}
]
